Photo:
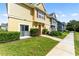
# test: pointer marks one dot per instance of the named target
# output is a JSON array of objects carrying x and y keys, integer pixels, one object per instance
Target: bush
[
  {"x": 9, "y": 36},
  {"x": 45, "y": 31},
  {"x": 55, "y": 33},
  {"x": 66, "y": 31},
  {"x": 48, "y": 33},
  {"x": 34, "y": 32}
]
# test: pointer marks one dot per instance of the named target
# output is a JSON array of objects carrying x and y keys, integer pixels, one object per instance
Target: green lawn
[
  {"x": 76, "y": 43},
  {"x": 64, "y": 34},
  {"x": 35, "y": 46}
]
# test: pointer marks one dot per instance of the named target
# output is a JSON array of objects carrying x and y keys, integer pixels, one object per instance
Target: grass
[
  {"x": 76, "y": 41},
  {"x": 35, "y": 46},
  {"x": 64, "y": 34}
]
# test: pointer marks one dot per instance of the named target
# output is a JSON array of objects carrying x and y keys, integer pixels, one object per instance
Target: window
[
  {"x": 24, "y": 30},
  {"x": 24, "y": 27},
  {"x": 54, "y": 21},
  {"x": 40, "y": 15}
]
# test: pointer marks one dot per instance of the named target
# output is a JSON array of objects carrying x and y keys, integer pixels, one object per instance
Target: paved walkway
[
  {"x": 65, "y": 47},
  {"x": 54, "y": 38}
]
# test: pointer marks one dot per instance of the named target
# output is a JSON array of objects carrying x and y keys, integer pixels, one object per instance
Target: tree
[
  {"x": 73, "y": 25},
  {"x": 77, "y": 26}
]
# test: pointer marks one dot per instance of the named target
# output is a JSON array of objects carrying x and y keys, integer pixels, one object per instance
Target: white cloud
[
  {"x": 63, "y": 15},
  {"x": 75, "y": 14},
  {"x": 4, "y": 15},
  {"x": 57, "y": 15},
  {"x": 60, "y": 15}
]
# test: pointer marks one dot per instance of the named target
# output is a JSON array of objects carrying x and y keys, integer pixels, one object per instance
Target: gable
[{"x": 41, "y": 6}]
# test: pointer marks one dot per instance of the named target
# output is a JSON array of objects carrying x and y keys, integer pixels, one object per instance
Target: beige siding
[
  {"x": 47, "y": 20},
  {"x": 47, "y": 23},
  {"x": 47, "y": 27},
  {"x": 40, "y": 6},
  {"x": 14, "y": 24},
  {"x": 19, "y": 11}
]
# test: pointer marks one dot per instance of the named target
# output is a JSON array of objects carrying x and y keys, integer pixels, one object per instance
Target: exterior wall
[
  {"x": 63, "y": 27},
  {"x": 41, "y": 7},
  {"x": 60, "y": 26},
  {"x": 54, "y": 23},
  {"x": 38, "y": 19},
  {"x": 20, "y": 11},
  {"x": 14, "y": 24},
  {"x": 36, "y": 25},
  {"x": 47, "y": 20},
  {"x": 47, "y": 23},
  {"x": 25, "y": 17},
  {"x": 47, "y": 27},
  {"x": 22, "y": 14}
]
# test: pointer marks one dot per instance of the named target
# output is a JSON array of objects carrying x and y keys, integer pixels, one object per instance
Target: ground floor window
[
  {"x": 24, "y": 30},
  {"x": 53, "y": 28}
]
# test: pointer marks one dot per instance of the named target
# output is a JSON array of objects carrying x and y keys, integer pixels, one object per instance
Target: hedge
[
  {"x": 55, "y": 33},
  {"x": 45, "y": 31},
  {"x": 34, "y": 32},
  {"x": 9, "y": 36}
]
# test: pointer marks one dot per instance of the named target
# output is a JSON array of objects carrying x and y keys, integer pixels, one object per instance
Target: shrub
[
  {"x": 34, "y": 32},
  {"x": 66, "y": 31},
  {"x": 48, "y": 33},
  {"x": 9, "y": 36},
  {"x": 55, "y": 33},
  {"x": 45, "y": 31}
]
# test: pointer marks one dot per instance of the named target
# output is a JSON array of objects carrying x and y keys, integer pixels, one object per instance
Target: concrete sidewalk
[{"x": 65, "y": 47}]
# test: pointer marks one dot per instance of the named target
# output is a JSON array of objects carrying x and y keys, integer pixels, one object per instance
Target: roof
[
  {"x": 37, "y": 4},
  {"x": 4, "y": 24},
  {"x": 52, "y": 15},
  {"x": 34, "y": 5},
  {"x": 62, "y": 23}
]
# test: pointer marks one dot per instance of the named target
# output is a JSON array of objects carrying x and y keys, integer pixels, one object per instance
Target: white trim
[
  {"x": 20, "y": 24},
  {"x": 25, "y": 37}
]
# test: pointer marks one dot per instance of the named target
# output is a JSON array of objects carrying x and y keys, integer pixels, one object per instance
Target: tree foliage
[{"x": 73, "y": 25}]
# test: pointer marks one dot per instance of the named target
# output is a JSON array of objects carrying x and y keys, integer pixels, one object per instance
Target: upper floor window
[
  {"x": 40, "y": 15},
  {"x": 54, "y": 21}
]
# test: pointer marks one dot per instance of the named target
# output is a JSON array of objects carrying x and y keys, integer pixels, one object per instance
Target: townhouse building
[
  {"x": 4, "y": 26},
  {"x": 61, "y": 26},
  {"x": 54, "y": 22},
  {"x": 24, "y": 16}
]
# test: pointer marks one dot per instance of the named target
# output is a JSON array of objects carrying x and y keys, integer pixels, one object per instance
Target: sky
[
  {"x": 64, "y": 11},
  {"x": 3, "y": 13}
]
